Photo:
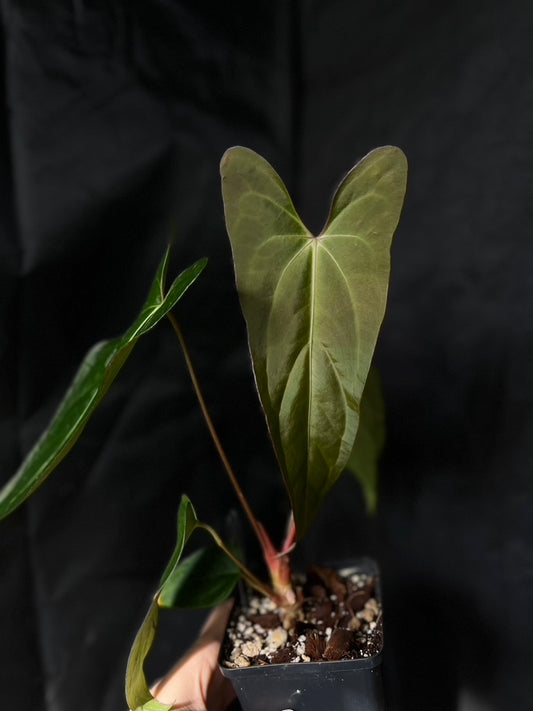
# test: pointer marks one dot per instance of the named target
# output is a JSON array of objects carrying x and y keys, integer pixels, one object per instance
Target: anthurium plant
[{"x": 313, "y": 306}]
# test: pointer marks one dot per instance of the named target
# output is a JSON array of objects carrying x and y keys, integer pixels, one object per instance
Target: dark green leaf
[
  {"x": 370, "y": 440},
  {"x": 92, "y": 381},
  {"x": 313, "y": 307},
  {"x": 204, "y": 579},
  {"x": 137, "y": 691}
]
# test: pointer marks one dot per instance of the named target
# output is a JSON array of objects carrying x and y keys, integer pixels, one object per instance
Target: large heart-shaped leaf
[
  {"x": 92, "y": 381},
  {"x": 313, "y": 307}
]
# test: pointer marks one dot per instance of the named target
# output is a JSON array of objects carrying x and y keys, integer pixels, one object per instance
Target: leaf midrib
[
  {"x": 345, "y": 280},
  {"x": 314, "y": 247}
]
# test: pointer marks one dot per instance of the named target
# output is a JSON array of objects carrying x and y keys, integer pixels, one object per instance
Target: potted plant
[{"x": 313, "y": 308}]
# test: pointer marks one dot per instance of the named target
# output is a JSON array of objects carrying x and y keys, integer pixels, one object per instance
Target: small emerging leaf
[
  {"x": 370, "y": 440},
  {"x": 138, "y": 694},
  {"x": 313, "y": 307},
  {"x": 204, "y": 579},
  {"x": 92, "y": 381}
]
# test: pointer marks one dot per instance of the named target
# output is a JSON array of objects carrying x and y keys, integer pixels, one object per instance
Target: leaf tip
[
  {"x": 236, "y": 152},
  {"x": 226, "y": 157}
]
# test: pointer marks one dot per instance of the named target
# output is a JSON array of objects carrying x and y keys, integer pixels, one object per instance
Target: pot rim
[{"x": 294, "y": 669}]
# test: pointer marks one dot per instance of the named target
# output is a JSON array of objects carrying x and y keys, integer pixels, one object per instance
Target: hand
[{"x": 196, "y": 683}]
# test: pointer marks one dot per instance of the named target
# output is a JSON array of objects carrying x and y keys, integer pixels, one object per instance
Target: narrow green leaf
[
  {"x": 370, "y": 440},
  {"x": 204, "y": 579},
  {"x": 313, "y": 307},
  {"x": 92, "y": 381},
  {"x": 187, "y": 523},
  {"x": 138, "y": 693}
]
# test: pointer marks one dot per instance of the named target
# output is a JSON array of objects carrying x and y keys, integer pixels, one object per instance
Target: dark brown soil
[{"x": 338, "y": 617}]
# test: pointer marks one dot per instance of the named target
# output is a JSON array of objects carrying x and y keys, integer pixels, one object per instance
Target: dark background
[{"x": 115, "y": 116}]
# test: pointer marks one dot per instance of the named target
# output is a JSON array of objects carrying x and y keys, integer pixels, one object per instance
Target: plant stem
[
  {"x": 247, "y": 574},
  {"x": 233, "y": 479}
]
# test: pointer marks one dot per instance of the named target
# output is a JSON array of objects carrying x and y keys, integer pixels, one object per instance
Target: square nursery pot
[{"x": 354, "y": 684}]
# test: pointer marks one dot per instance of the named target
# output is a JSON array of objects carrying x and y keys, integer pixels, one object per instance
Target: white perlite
[
  {"x": 276, "y": 639},
  {"x": 256, "y": 642}
]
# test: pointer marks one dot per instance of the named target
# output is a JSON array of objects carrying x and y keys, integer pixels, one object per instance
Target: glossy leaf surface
[
  {"x": 92, "y": 381},
  {"x": 187, "y": 523},
  {"x": 313, "y": 307},
  {"x": 205, "y": 578},
  {"x": 363, "y": 462}
]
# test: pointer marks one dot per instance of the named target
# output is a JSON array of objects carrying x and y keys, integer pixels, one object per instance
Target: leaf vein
[
  {"x": 290, "y": 213},
  {"x": 284, "y": 271},
  {"x": 345, "y": 280}
]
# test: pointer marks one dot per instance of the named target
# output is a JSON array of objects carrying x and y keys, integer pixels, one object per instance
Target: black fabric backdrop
[{"x": 115, "y": 116}]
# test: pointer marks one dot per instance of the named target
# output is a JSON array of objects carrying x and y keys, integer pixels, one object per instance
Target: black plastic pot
[
  {"x": 310, "y": 686},
  {"x": 354, "y": 685}
]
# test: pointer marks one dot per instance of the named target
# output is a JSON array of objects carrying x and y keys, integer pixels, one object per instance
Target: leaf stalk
[{"x": 277, "y": 562}]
